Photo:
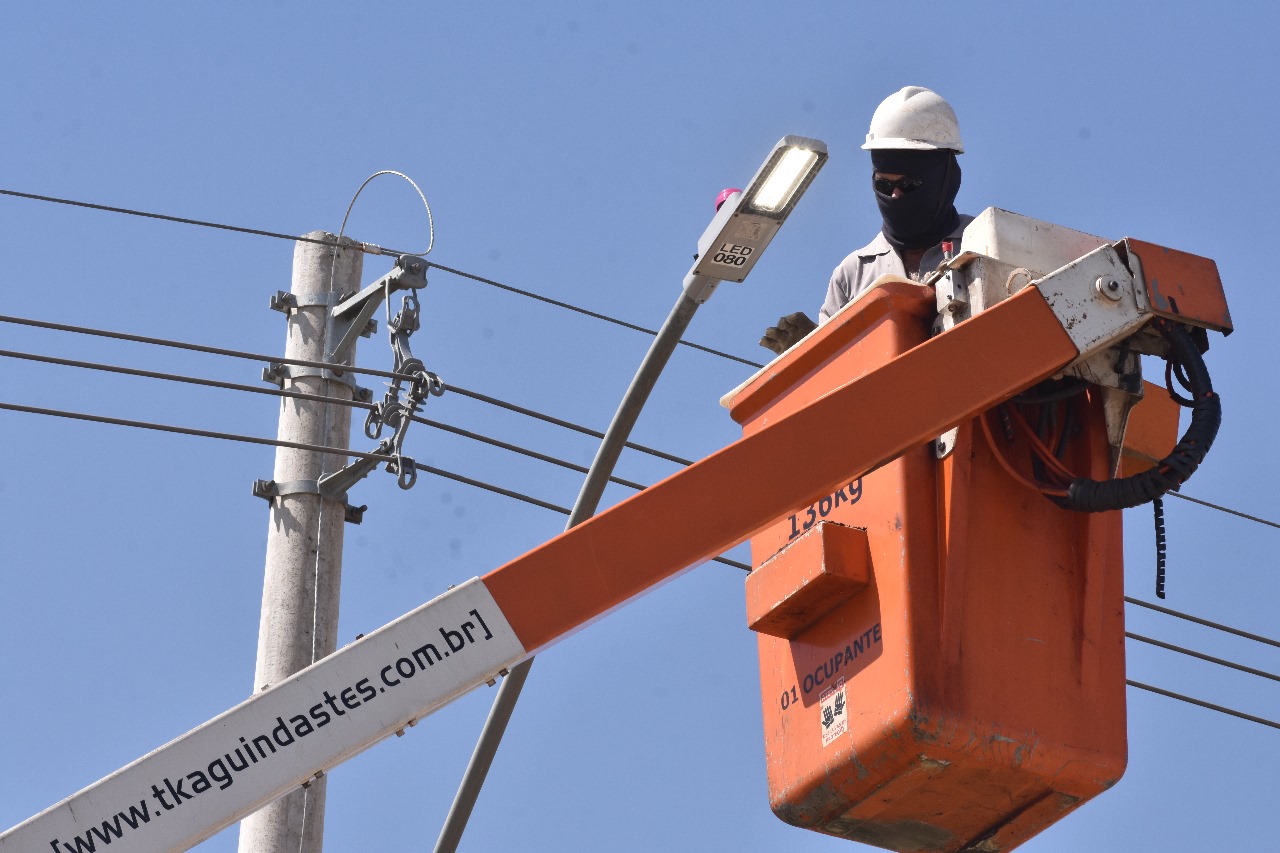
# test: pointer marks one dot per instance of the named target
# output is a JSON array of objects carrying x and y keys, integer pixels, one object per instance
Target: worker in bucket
[{"x": 913, "y": 140}]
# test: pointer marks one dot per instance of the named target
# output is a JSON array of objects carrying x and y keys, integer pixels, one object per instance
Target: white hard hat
[{"x": 915, "y": 118}]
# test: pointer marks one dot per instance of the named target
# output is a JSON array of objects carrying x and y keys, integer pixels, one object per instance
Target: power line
[
  {"x": 372, "y": 372},
  {"x": 86, "y": 330},
  {"x": 493, "y": 401},
  {"x": 183, "y": 220},
  {"x": 202, "y": 433},
  {"x": 1220, "y": 709},
  {"x": 489, "y": 487},
  {"x": 1224, "y": 509},
  {"x": 165, "y": 342},
  {"x": 1204, "y": 622},
  {"x": 524, "y": 451},
  {"x": 301, "y": 395},
  {"x": 584, "y": 311},
  {"x": 469, "y": 481},
  {"x": 369, "y": 248},
  {"x": 249, "y": 439},
  {"x": 1201, "y": 656},
  {"x": 300, "y": 446},
  {"x": 565, "y": 511},
  {"x": 465, "y": 434},
  {"x": 235, "y": 386},
  {"x": 177, "y": 377}
]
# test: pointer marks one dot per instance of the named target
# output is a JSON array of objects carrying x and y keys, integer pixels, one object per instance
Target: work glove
[{"x": 789, "y": 330}]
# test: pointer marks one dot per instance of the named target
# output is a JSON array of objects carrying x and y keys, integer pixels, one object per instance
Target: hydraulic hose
[{"x": 1086, "y": 495}]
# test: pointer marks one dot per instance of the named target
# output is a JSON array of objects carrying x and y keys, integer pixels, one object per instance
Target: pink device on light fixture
[{"x": 724, "y": 194}]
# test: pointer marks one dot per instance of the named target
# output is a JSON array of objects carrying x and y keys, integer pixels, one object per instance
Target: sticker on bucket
[{"x": 835, "y": 714}]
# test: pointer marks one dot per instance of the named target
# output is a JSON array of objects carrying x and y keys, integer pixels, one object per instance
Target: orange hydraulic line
[
  {"x": 1040, "y": 448},
  {"x": 998, "y": 452},
  {"x": 720, "y": 501}
]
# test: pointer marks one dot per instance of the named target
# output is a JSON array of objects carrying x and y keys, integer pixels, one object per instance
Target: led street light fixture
[
  {"x": 785, "y": 177},
  {"x": 747, "y": 221}
]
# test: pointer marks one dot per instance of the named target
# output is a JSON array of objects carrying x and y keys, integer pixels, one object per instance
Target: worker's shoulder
[{"x": 877, "y": 248}]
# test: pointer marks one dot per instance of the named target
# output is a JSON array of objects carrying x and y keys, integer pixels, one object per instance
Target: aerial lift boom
[{"x": 392, "y": 678}]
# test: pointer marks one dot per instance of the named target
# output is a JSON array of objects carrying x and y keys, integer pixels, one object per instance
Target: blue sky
[{"x": 574, "y": 150}]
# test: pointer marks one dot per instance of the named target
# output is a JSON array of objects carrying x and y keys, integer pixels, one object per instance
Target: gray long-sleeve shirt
[{"x": 856, "y": 272}]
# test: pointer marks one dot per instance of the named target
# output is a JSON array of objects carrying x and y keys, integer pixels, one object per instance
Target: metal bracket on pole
[
  {"x": 286, "y": 302},
  {"x": 351, "y": 315},
  {"x": 335, "y": 485},
  {"x": 269, "y": 490},
  {"x": 277, "y": 373}
]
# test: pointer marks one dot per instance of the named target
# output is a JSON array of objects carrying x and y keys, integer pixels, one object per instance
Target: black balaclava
[{"x": 920, "y": 218}]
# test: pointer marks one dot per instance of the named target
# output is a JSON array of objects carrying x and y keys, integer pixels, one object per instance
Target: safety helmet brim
[{"x": 907, "y": 145}]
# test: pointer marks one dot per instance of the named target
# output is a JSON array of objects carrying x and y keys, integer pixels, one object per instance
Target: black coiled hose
[{"x": 1085, "y": 495}]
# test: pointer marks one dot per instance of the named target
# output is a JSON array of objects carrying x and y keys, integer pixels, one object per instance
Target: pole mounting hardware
[
  {"x": 269, "y": 490},
  {"x": 350, "y": 317},
  {"x": 277, "y": 373}
]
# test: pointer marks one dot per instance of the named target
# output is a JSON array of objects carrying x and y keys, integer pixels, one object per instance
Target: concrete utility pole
[{"x": 299, "y": 623}]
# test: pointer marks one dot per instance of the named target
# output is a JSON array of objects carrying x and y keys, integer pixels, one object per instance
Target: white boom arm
[{"x": 188, "y": 789}]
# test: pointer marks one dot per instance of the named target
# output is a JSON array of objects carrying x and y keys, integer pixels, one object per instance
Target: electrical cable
[
  {"x": 1220, "y": 709},
  {"x": 489, "y": 487},
  {"x": 166, "y": 218},
  {"x": 277, "y": 392},
  {"x": 431, "y": 222},
  {"x": 1087, "y": 495},
  {"x": 454, "y": 388},
  {"x": 177, "y": 377},
  {"x": 375, "y": 250},
  {"x": 301, "y": 395},
  {"x": 320, "y": 448},
  {"x": 1192, "y": 653},
  {"x": 86, "y": 330},
  {"x": 493, "y": 401},
  {"x": 203, "y": 433},
  {"x": 1181, "y": 496},
  {"x": 372, "y": 249},
  {"x": 457, "y": 389},
  {"x": 299, "y": 446},
  {"x": 1236, "y": 631},
  {"x": 623, "y": 323},
  {"x": 565, "y": 511},
  {"x": 1170, "y": 371},
  {"x": 165, "y": 342},
  {"x": 524, "y": 451}
]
